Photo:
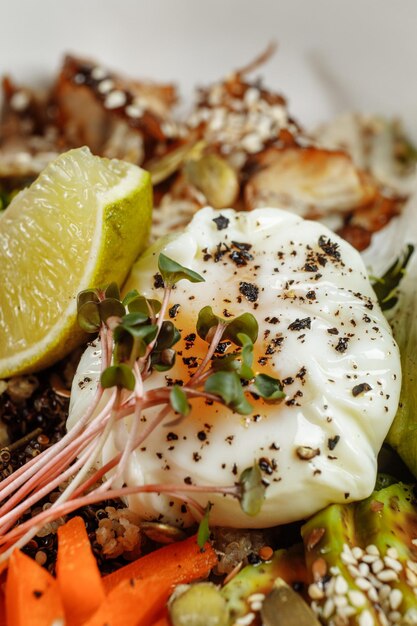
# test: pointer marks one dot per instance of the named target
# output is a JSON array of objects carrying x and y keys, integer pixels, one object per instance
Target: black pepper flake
[
  {"x": 301, "y": 373},
  {"x": 196, "y": 457},
  {"x": 332, "y": 442},
  {"x": 173, "y": 310},
  {"x": 234, "y": 469},
  {"x": 262, "y": 360},
  {"x": 37, "y": 594},
  {"x": 221, "y": 250},
  {"x": 288, "y": 381},
  {"x": 190, "y": 361},
  {"x": 311, "y": 295},
  {"x": 310, "y": 267},
  {"x": 342, "y": 344},
  {"x": 189, "y": 340},
  {"x": 221, "y": 222},
  {"x": 300, "y": 324},
  {"x": 359, "y": 389},
  {"x": 240, "y": 258},
  {"x": 332, "y": 331},
  {"x": 347, "y": 494},
  {"x": 158, "y": 281},
  {"x": 265, "y": 466},
  {"x": 249, "y": 290},
  {"x": 172, "y": 437},
  {"x": 330, "y": 248},
  {"x": 242, "y": 246},
  {"x": 222, "y": 347},
  {"x": 188, "y": 480},
  {"x": 201, "y": 435}
]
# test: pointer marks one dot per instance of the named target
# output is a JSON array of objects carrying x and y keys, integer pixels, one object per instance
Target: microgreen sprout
[{"x": 136, "y": 340}]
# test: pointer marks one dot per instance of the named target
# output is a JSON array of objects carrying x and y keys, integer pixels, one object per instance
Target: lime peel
[{"x": 82, "y": 223}]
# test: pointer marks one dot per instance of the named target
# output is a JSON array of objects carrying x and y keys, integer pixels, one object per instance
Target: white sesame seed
[
  {"x": 393, "y": 564},
  {"x": 377, "y": 566},
  {"x": 329, "y": 589},
  {"x": 340, "y": 601},
  {"x": 315, "y": 592},
  {"x": 372, "y": 549},
  {"x": 348, "y": 559},
  {"x": 411, "y": 578},
  {"x": 341, "y": 585},
  {"x": 373, "y": 595},
  {"x": 387, "y": 575},
  {"x": 105, "y": 86},
  {"x": 334, "y": 570},
  {"x": 394, "y": 616},
  {"x": 365, "y": 619},
  {"x": 115, "y": 99},
  {"x": 414, "y": 542},
  {"x": 357, "y": 552},
  {"x": 356, "y": 598},
  {"x": 169, "y": 129},
  {"x": 392, "y": 553},
  {"x": 374, "y": 581},
  {"x": 256, "y": 597},
  {"x": 134, "y": 111},
  {"x": 370, "y": 558},
  {"x": 412, "y": 565},
  {"x": 328, "y": 608},
  {"x": 19, "y": 101},
  {"x": 256, "y": 606},
  {"x": 346, "y": 611},
  {"x": 383, "y": 619},
  {"x": 410, "y": 616},
  {"x": 98, "y": 73},
  {"x": 245, "y": 620},
  {"x": 395, "y": 599},
  {"x": 362, "y": 583},
  {"x": 251, "y": 96},
  {"x": 384, "y": 592},
  {"x": 279, "y": 114},
  {"x": 346, "y": 548},
  {"x": 353, "y": 571},
  {"x": 251, "y": 143},
  {"x": 364, "y": 569}
]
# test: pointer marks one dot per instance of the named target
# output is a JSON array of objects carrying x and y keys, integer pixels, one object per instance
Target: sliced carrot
[
  {"x": 163, "y": 620},
  {"x": 133, "y": 603},
  {"x": 78, "y": 575},
  {"x": 176, "y": 563},
  {"x": 32, "y": 594}
]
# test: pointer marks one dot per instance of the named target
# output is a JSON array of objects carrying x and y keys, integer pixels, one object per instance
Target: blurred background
[{"x": 333, "y": 55}]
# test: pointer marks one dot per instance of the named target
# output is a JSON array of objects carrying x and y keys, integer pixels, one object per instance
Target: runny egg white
[{"x": 321, "y": 332}]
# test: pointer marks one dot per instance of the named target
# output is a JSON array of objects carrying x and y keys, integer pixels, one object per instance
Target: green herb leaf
[
  {"x": 163, "y": 361},
  {"x": 252, "y": 490},
  {"x": 386, "y": 287},
  {"x": 244, "y": 324},
  {"x": 88, "y": 316},
  {"x": 87, "y": 295},
  {"x": 269, "y": 388},
  {"x": 227, "y": 385},
  {"x": 172, "y": 272},
  {"x": 207, "y": 320},
  {"x": 135, "y": 319},
  {"x": 179, "y": 401},
  {"x": 110, "y": 307},
  {"x": 168, "y": 336},
  {"x": 118, "y": 376},
  {"x": 148, "y": 307},
  {"x": 203, "y": 533},
  {"x": 112, "y": 291}
]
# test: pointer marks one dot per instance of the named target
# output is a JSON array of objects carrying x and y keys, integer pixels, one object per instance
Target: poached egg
[{"x": 321, "y": 332}]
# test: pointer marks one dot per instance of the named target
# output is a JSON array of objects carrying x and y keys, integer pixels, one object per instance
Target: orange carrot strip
[
  {"x": 133, "y": 603},
  {"x": 179, "y": 562},
  {"x": 32, "y": 594},
  {"x": 163, "y": 620},
  {"x": 78, "y": 576}
]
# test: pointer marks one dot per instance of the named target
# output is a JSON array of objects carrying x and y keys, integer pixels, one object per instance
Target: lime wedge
[{"x": 81, "y": 224}]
